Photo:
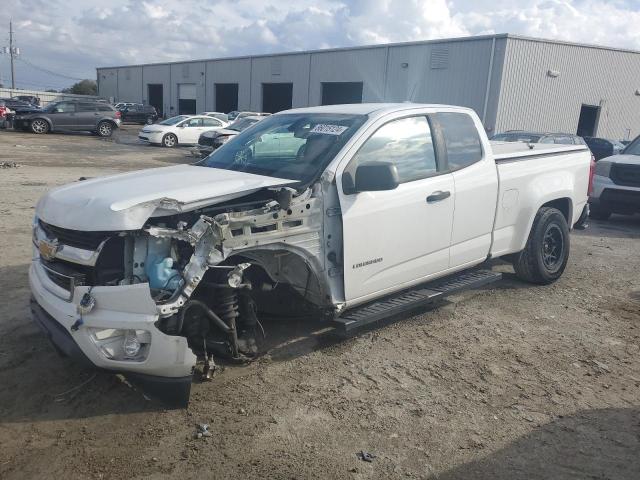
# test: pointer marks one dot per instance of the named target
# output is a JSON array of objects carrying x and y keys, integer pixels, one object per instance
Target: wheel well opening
[{"x": 562, "y": 204}]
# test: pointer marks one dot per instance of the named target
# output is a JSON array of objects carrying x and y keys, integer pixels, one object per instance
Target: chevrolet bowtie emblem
[{"x": 48, "y": 249}]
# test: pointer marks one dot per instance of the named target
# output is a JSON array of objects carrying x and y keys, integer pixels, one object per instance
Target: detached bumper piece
[
  {"x": 409, "y": 300},
  {"x": 173, "y": 392}
]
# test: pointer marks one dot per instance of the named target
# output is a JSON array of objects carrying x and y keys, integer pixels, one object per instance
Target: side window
[
  {"x": 65, "y": 107},
  {"x": 86, "y": 107},
  {"x": 461, "y": 139},
  {"x": 210, "y": 122},
  {"x": 194, "y": 122},
  {"x": 546, "y": 140},
  {"x": 407, "y": 143}
]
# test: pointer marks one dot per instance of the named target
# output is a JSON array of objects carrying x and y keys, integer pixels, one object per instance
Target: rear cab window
[{"x": 462, "y": 144}]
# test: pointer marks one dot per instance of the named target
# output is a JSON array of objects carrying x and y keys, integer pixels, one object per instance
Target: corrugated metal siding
[
  {"x": 187, "y": 72},
  {"x": 458, "y": 77},
  {"x": 288, "y": 69},
  {"x": 156, "y": 74},
  {"x": 532, "y": 100},
  {"x": 108, "y": 83},
  {"x": 229, "y": 71},
  {"x": 129, "y": 84},
  {"x": 367, "y": 66}
]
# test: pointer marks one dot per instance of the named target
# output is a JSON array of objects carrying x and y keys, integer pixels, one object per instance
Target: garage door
[
  {"x": 334, "y": 93},
  {"x": 186, "y": 98},
  {"x": 276, "y": 97}
]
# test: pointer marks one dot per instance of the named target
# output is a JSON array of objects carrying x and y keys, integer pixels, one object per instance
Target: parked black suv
[
  {"x": 603, "y": 147},
  {"x": 78, "y": 115},
  {"x": 139, "y": 113}
]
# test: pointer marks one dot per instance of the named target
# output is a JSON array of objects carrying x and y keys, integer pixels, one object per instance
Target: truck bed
[
  {"x": 508, "y": 151},
  {"x": 531, "y": 177}
]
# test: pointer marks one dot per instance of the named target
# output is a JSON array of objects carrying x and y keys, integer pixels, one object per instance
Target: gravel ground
[{"x": 509, "y": 382}]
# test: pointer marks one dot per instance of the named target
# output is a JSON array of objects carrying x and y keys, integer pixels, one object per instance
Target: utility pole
[{"x": 12, "y": 54}]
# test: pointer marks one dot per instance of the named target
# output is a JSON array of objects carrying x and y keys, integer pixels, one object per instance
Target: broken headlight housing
[{"x": 120, "y": 344}]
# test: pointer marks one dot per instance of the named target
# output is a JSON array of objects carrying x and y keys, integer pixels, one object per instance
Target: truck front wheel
[{"x": 546, "y": 253}]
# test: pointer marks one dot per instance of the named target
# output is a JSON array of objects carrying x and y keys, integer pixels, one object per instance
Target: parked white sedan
[{"x": 183, "y": 129}]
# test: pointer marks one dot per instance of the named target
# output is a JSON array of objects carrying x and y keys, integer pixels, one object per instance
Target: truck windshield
[{"x": 295, "y": 146}]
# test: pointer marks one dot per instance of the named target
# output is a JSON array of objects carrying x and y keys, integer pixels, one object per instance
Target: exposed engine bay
[{"x": 213, "y": 271}]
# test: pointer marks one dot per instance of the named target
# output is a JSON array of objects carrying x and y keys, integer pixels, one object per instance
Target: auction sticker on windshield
[{"x": 328, "y": 129}]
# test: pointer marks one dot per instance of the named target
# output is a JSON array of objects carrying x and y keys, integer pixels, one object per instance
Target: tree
[{"x": 83, "y": 87}]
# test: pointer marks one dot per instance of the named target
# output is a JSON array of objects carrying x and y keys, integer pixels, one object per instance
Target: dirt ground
[{"x": 510, "y": 382}]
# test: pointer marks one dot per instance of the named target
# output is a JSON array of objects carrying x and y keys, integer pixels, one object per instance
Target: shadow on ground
[{"x": 596, "y": 444}]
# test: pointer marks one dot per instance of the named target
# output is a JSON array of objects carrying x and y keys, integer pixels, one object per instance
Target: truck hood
[
  {"x": 126, "y": 201},
  {"x": 622, "y": 158}
]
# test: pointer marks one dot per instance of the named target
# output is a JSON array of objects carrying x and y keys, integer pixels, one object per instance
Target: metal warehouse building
[{"x": 512, "y": 82}]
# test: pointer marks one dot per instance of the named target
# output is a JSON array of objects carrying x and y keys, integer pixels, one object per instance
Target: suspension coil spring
[{"x": 227, "y": 307}]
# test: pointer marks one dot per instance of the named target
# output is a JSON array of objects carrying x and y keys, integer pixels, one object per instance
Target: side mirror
[
  {"x": 182, "y": 125},
  {"x": 376, "y": 176}
]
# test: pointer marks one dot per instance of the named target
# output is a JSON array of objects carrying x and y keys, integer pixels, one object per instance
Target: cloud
[{"x": 72, "y": 37}]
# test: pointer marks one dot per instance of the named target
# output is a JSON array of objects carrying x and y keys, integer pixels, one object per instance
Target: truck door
[
  {"x": 476, "y": 183},
  {"x": 398, "y": 237}
]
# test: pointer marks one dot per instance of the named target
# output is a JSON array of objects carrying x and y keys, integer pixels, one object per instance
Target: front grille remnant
[{"x": 76, "y": 238}]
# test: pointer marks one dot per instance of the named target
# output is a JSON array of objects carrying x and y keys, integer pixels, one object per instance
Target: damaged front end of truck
[
  {"x": 201, "y": 276},
  {"x": 155, "y": 274}
]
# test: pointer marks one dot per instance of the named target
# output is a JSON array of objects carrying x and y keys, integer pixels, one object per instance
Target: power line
[{"x": 48, "y": 71}]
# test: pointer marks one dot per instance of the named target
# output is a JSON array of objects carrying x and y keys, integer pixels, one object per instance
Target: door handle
[{"x": 438, "y": 196}]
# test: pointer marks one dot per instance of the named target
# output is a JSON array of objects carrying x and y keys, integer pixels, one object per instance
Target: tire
[
  {"x": 169, "y": 140},
  {"x": 105, "y": 129},
  {"x": 598, "y": 213},
  {"x": 39, "y": 126},
  {"x": 149, "y": 121},
  {"x": 546, "y": 253}
]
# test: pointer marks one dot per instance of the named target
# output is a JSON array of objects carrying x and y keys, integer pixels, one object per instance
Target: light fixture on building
[
  {"x": 404, "y": 65},
  {"x": 553, "y": 73}
]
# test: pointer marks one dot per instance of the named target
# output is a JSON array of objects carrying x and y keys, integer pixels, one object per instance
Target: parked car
[
  {"x": 238, "y": 114},
  {"x": 211, "y": 140},
  {"x": 32, "y": 99},
  {"x": 536, "y": 137},
  {"x": 179, "y": 130},
  {"x": 5, "y": 114},
  {"x": 220, "y": 116},
  {"x": 139, "y": 113},
  {"x": 344, "y": 210},
  {"x": 71, "y": 115},
  {"x": 616, "y": 184},
  {"x": 603, "y": 147},
  {"x": 20, "y": 106},
  {"x": 121, "y": 105}
]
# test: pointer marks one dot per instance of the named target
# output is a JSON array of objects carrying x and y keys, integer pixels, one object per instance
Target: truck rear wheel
[{"x": 546, "y": 253}]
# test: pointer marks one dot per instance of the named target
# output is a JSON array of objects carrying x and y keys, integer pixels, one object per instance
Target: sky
[{"x": 64, "y": 40}]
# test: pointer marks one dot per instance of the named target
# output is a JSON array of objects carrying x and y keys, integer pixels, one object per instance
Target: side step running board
[{"x": 421, "y": 296}]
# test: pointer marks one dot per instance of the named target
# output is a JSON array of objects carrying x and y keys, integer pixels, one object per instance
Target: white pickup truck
[{"x": 350, "y": 212}]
